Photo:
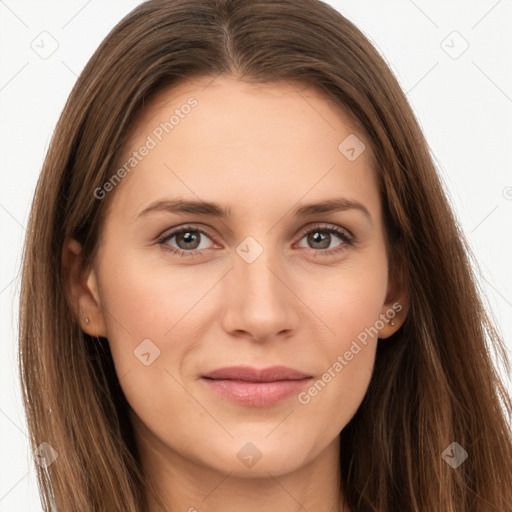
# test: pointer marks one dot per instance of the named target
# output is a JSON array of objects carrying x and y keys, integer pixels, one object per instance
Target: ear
[
  {"x": 396, "y": 306},
  {"x": 81, "y": 287}
]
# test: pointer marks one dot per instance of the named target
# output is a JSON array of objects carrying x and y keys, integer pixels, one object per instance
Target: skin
[{"x": 262, "y": 151}]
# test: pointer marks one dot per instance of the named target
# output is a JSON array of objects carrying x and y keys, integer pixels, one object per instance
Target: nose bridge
[
  {"x": 252, "y": 267},
  {"x": 259, "y": 302}
]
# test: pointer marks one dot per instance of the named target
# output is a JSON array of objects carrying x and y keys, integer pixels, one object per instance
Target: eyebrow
[{"x": 212, "y": 209}]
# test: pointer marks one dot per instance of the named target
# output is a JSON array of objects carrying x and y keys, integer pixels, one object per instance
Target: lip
[{"x": 255, "y": 387}]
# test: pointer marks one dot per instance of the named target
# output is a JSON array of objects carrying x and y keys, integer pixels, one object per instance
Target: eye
[
  {"x": 188, "y": 240},
  {"x": 317, "y": 237},
  {"x": 189, "y": 243}
]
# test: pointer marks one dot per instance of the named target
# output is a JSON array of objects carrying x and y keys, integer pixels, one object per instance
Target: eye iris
[
  {"x": 189, "y": 238},
  {"x": 313, "y": 238}
]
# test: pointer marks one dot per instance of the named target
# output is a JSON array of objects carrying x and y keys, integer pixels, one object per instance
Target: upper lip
[{"x": 250, "y": 374}]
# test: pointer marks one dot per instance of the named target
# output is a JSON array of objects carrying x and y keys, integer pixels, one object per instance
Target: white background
[{"x": 464, "y": 105}]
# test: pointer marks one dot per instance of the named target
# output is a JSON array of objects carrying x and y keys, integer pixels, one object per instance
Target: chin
[{"x": 253, "y": 459}]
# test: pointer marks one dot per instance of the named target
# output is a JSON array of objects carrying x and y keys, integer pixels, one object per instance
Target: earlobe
[
  {"x": 392, "y": 317},
  {"x": 95, "y": 326},
  {"x": 394, "y": 311},
  {"x": 82, "y": 290}
]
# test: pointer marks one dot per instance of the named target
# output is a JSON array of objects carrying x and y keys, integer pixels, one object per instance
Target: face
[{"x": 181, "y": 290}]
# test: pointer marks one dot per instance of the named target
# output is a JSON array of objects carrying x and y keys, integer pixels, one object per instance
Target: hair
[{"x": 434, "y": 380}]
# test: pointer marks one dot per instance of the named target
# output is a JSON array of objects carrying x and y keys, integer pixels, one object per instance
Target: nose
[{"x": 260, "y": 302}]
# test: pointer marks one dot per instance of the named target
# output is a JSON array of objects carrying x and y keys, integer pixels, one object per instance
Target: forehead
[
  {"x": 219, "y": 137},
  {"x": 224, "y": 102}
]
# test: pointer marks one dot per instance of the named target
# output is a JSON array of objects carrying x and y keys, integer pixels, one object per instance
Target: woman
[{"x": 195, "y": 349}]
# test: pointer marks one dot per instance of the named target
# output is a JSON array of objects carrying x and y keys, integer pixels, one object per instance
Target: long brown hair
[{"x": 434, "y": 380}]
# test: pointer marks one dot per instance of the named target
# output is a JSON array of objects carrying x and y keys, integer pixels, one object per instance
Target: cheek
[
  {"x": 156, "y": 317},
  {"x": 348, "y": 359},
  {"x": 149, "y": 313},
  {"x": 144, "y": 301},
  {"x": 346, "y": 299},
  {"x": 349, "y": 303}
]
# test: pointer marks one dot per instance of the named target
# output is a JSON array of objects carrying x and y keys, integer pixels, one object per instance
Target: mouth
[{"x": 249, "y": 386}]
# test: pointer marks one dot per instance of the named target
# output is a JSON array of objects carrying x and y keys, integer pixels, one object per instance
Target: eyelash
[{"x": 347, "y": 238}]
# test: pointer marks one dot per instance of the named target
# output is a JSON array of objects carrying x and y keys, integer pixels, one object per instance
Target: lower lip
[{"x": 257, "y": 394}]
